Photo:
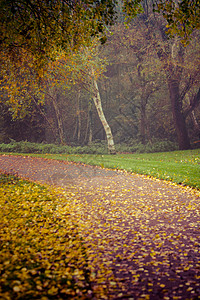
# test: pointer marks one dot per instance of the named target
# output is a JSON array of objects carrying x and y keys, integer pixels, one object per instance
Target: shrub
[
  {"x": 96, "y": 147},
  {"x": 132, "y": 146}
]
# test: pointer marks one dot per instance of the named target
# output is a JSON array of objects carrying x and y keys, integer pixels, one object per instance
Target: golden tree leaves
[
  {"x": 24, "y": 83},
  {"x": 20, "y": 83},
  {"x": 40, "y": 27}
]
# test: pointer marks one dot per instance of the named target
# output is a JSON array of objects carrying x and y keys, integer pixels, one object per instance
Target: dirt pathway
[{"x": 143, "y": 235}]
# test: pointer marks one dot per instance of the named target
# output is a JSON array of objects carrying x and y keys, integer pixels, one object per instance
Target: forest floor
[{"x": 142, "y": 234}]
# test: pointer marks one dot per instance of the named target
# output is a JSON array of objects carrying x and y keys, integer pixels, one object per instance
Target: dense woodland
[{"x": 140, "y": 86}]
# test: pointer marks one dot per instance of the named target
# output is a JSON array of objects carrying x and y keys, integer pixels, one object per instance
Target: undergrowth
[{"x": 96, "y": 147}]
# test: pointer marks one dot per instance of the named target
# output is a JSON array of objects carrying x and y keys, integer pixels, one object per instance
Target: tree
[
  {"x": 97, "y": 101},
  {"x": 89, "y": 68},
  {"x": 134, "y": 76},
  {"x": 42, "y": 26},
  {"x": 183, "y": 17},
  {"x": 179, "y": 77},
  {"x": 52, "y": 94},
  {"x": 31, "y": 127},
  {"x": 80, "y": 68},
  {"x": 172, "y": 59},
  {"x": 17, "y": 80},
  {"x": 145, "y": 39}
]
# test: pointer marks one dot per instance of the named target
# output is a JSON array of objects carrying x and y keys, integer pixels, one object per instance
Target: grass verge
[
  {"x": 41, "y": 253},
  {"x": 181, "y": 167}
]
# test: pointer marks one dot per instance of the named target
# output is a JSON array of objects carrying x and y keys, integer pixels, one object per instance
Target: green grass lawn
[{"x": 182, "y": 167}]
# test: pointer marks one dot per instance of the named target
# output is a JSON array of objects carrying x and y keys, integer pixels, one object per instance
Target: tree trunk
[
  {"x": 52, "y": 129},
  {"x": 88, "y": 134},
  {"x": 98, "y": 105},
  {"x": 195, "y": 124},
  {"x": 147, "y": 89},
  {"x": 143, "y": 124},
  {"x": 59, "y": 121},
  {"x": 79, "y": 115},
  {"x": 172, "y": 60},
  {"x": 90, "y": 131},
  {"x": 179, "y": 119},
  {"x": 58, "y": 116},
  {"x": 77, "y": 130}
]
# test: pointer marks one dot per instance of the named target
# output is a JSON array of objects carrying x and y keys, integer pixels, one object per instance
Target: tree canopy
[
  {"x": 182, "y": 17},
  {"x": 41, "y": 26}
]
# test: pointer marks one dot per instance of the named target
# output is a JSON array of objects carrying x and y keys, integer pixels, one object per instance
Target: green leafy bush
[
  {"x": 98, "y": 147},
  {"x": 27, "y": 147},
  {"x": 133, "y": 146}
]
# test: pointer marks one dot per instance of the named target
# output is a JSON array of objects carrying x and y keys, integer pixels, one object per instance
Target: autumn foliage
[{"x": 42, "y": 255}]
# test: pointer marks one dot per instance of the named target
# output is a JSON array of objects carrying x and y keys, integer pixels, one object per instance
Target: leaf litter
[
  {"x": 142, "y": 235},
  {"x": 145, "y": 235},
  {"x": 41, "y": 253}
]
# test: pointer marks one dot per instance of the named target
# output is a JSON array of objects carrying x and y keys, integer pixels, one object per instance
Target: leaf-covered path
[{"x": 142, "y": 234}]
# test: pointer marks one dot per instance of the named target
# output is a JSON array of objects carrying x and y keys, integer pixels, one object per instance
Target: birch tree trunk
[{"x": 97, "y": 101}]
